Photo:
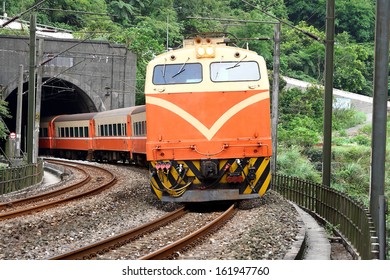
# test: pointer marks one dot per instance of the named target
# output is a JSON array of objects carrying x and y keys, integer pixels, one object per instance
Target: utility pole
[
  {"x": 31, "y": 92},
  {"x": 378, "y": 203},
  {"x": 328, "y": 100},
  {"x": 275, "y": 97},
  {"x": 19, "y": 111},
  {"x": 38, "y": 99}
]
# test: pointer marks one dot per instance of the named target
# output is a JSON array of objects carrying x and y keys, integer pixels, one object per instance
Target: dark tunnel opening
[{"x": 58, "y": 97}]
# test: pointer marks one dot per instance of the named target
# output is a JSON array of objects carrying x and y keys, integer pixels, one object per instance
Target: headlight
[
  {"x": 204, "y": 47},
  {"x": 201, "y": 52}
]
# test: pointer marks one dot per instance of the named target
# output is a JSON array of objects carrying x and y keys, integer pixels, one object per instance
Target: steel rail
[
  {"x": 182, "y": 243},
  {"x": 31, "y": 209},
  {"x": 50, "y": 194},
  {"x": 94, "y": 249}
]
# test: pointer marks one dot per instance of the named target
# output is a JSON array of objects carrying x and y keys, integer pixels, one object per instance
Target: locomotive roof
[{"x": 121, "y": 112}]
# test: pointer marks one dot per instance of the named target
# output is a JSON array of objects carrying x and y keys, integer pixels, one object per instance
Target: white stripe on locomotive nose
[{"x": 208, "y": 133}]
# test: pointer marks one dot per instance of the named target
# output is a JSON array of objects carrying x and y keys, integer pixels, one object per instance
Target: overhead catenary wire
[
  {"x": 21, "y": 14},
  {"x": 311, "y": 35}
]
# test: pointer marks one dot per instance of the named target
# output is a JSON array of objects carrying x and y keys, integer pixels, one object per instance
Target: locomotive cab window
[
  {"x": 235, "y": 71},
  {"x": 183, "y": 73}
]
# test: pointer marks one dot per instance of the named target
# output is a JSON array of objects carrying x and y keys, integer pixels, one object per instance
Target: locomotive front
[{"x": 208, "y": 123}]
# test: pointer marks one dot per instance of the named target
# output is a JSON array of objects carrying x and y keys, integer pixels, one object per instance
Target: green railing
[
  {"x": 18, "y": 177},
  {"x": 349, "y": 218}
]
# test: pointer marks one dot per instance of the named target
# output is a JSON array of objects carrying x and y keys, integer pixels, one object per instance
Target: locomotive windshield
[
  {"x": 234, "y": 71},
  {"x": 184, "y": 73}
]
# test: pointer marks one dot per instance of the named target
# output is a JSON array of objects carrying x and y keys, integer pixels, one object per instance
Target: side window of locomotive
[
  {"x": 139, "y": 128},
  {"x": 86, "y": 131},
  {"x": 235, "y": 71},
  {"x": 183, "y": 73}
]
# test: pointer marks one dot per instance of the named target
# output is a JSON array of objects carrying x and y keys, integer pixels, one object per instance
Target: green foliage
[
  {"x": 124, "y": 13},
  {"x": 143, "y": 26},
  {"x": 140, "y": 40},
  {"x": 351, "y": 170},
  {"x": 346, "y": 118},
  {"x": 352, "y": 153},
  {"x": 4, "y": 113},
  {"x": 355, "y": 17},
  {"x": 302, "y": 57},
  {"x": 292, "y": 162},
  {"x": 295, "y": 102},
  {"x": 299, "y": 131},
  {"x": 362, "y": 140},
  {"x": 353, "y": 65}
]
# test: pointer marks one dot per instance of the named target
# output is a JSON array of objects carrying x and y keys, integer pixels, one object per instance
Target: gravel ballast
[{"x": 263, "y": 228}]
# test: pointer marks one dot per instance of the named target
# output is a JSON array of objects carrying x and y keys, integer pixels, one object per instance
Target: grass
[{"x": 351, "y": 164}]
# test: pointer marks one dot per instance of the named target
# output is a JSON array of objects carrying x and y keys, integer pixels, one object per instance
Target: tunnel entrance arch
[{"x": 59, "y": 96}]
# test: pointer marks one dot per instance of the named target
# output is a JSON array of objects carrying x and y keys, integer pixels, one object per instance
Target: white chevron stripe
[{"x": 208, "y": 133}]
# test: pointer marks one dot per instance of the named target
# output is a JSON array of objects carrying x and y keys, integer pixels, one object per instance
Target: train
[
  {"x": 204, "y": 131},
  {"x": 108, "y": 136}
]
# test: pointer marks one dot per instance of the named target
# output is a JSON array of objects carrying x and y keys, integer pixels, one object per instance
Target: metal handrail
[
  {"x": 351, "y": 218},
  {"x": 14, "y": 178}
]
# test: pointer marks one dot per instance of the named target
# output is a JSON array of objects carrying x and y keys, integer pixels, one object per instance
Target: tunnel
[{"x": 58, "y": 97}]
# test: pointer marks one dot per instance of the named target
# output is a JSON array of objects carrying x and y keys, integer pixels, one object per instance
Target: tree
[
  {"x": 295, "y": 103},
  {"x": 353, "y": 65},
  {"x": 4, "y": 113},
  {"x": 357, "y": 17},
  {"x": 142, "y": 41},
  {"x": 125, "y": 12},
  {"x": 312, "y": 12},
  {"x": 302, "y": 57}
]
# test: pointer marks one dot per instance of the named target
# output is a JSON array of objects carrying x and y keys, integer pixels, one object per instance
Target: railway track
[
  {"x": 141, "y": 242},
  {"x": 88, "y": 185}
]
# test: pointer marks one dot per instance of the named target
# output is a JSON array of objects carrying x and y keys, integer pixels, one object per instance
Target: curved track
[
  {"x": 85, "y": 187},
  {"x": 115, "y": 243}
]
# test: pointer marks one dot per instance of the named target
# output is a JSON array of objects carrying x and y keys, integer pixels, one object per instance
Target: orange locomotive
[{"x": 208, "y": 123}]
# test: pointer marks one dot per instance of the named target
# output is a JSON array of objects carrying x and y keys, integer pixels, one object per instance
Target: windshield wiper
[
  {"x": 181, "y": 70},
  {"x": 165, "y": 66},
  {"x": 216, "y": 74},
  {"x": 237, "y": 64}
]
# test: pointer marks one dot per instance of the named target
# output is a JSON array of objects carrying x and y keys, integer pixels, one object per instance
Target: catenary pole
[
  {"x": 328, "y": 100},
  {"x": 31, "y": 91},
  {"x": 378, "y": 139},
  {"x": 19, "y": 109},
  {"x": 38, "y": 99},
  {"x": 275, "y": 97}
]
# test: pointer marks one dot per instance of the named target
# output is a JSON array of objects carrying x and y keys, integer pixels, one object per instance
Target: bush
[
  {"x": 299, "y": 133},
  {"x": 290, "y": 161},
  {"x": 347, "y": 118}
]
